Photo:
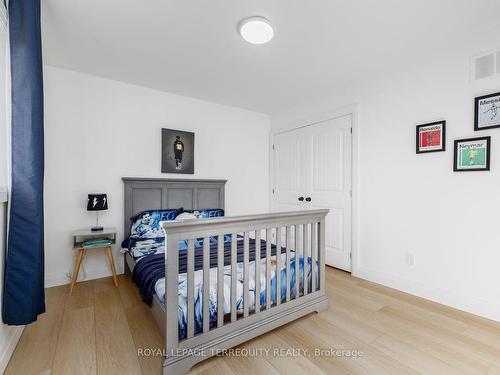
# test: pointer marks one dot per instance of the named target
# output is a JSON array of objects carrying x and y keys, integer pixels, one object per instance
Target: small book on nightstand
[{"x": 98, "y": 242}]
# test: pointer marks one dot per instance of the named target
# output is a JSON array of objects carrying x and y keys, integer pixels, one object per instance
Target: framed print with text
[
  {"x": 472, "y": 154},
  {"x": 431, "y": 137},
  {"x": 487, "y": 112}
]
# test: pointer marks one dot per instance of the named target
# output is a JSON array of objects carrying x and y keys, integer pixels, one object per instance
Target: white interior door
[
  {"x": 317, "y": 166},
  {"x": 329, "y": 185},
  {"x": 289, "y": 175}
]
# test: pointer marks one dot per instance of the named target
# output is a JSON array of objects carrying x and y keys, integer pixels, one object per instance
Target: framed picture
[
  {"x": 431, "y": 137},
  {"x": 177, "y": 151},
  {"x": 472, "y": 154},
  {"x": 487, "y": 112}
]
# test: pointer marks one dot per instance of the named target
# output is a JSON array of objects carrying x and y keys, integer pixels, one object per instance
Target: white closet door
[
  {"x": 314, "y": 163},
  {"x": 329, "y": 185},
  {"x": 289, "y": 175}
]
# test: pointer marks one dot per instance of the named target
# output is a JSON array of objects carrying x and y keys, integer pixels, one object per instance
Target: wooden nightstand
[{"x": 79, "y": 239}]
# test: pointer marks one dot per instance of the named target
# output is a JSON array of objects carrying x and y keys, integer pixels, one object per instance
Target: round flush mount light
[{"x": 256, "y": 30}]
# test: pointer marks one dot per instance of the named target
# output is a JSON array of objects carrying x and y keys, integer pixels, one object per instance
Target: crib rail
[{"x": 301, "y": 235}]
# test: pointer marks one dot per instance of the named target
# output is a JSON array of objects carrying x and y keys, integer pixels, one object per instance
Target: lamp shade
[{"x": 97, "y": 202}]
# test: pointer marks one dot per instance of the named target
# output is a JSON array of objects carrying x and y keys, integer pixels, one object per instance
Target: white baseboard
[
  {"x": 9, "y": 345},
  {"x": 61, "y": 278},
  {"x": 470, "y": 304}
]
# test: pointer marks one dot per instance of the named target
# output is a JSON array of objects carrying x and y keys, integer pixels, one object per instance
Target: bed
[{"x": 277, "y": 259}]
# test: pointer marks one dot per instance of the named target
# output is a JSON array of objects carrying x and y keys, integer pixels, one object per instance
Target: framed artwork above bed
[{"x": 177, "y": 151}]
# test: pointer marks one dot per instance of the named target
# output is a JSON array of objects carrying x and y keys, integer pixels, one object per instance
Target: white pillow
[{"x": 185, "y": 216}]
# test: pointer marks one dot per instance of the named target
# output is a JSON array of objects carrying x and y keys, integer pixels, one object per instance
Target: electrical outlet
[{"x": 410, "y": 259}]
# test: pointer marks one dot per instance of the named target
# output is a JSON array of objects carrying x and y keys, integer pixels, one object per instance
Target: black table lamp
[{"x": 97, "y": 202}]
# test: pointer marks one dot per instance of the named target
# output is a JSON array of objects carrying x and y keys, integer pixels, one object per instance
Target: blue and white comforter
[
  {"x": 159, "y": 285},
  {"x": 198, "y": 291}
]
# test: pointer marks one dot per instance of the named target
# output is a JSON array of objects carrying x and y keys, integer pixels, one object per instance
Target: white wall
[
  {"x": 99, "y": 130},
  {"x": 416, "y": 203}
]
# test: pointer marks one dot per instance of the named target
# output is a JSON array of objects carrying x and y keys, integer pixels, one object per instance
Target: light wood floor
[{"x": 99, "y": 329}]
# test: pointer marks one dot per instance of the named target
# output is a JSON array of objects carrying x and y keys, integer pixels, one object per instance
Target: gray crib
[{"x": 301, "y": 233}]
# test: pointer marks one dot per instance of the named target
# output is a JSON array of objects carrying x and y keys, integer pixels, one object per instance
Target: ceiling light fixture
[{"x": 256, "y": 30}]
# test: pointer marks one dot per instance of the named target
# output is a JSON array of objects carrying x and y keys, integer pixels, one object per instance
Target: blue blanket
[
  {"x": 151, "y": 268},
  {"x": 149, "y": 276}
]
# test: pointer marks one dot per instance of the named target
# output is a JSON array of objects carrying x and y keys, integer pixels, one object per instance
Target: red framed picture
[{"x": 431, "y": 137}]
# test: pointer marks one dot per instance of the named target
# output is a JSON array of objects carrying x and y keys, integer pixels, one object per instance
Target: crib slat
[
  {"x": 297, "y": 243},
  {"x": 313, "y": 257},
  {"x": 268, "y": 268},
  {"x": 257, "y": 271},
  {"x": 278, "y": 266},
  {"x": 288, "y": 243},
  {"x": 171, "y": 294},
  {"x": 206, "y": 284},
  {"x": 305, "y": 253},
  {"x": 234, "y": 275},
  {"x": 246, "y": 276},
  {"x": 321, "y": 254},
  {"x": 220, "y": 281},
  {"x": 190, "y": 289}
]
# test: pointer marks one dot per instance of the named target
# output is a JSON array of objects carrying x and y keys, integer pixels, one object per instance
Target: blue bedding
[
  {"x": 149, "y": 276},
  {"x": 152, "y": 267}
]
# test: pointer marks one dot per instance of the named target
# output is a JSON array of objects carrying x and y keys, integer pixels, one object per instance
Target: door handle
[
  {"x": 308, "y": 199},
  {"x": 301, "y": 199}
]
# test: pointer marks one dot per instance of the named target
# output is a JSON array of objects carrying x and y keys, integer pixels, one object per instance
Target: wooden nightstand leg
[
  {"x": 112, "y": 264},
  {"x": 77, "y": 270}
]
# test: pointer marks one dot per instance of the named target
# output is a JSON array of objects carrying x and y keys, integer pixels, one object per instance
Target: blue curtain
[{"x": 24, "y": 298}]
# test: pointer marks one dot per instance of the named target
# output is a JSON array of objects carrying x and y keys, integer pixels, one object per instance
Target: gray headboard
[{"x": 160, "y": 193}]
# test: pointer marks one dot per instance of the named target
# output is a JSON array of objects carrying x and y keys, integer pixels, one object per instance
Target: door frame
[{"x": 352, "y": 110}]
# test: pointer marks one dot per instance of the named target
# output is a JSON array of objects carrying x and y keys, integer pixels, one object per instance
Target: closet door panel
[
  {"x": 330, "y": 185},
  {"x": 289, "y": 181}
]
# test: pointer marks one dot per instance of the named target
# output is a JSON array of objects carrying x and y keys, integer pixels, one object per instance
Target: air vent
[{"x": 487, "y": 65}]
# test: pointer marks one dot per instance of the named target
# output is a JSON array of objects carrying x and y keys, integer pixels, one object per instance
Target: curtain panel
[{"x": 23, "y": 297}]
